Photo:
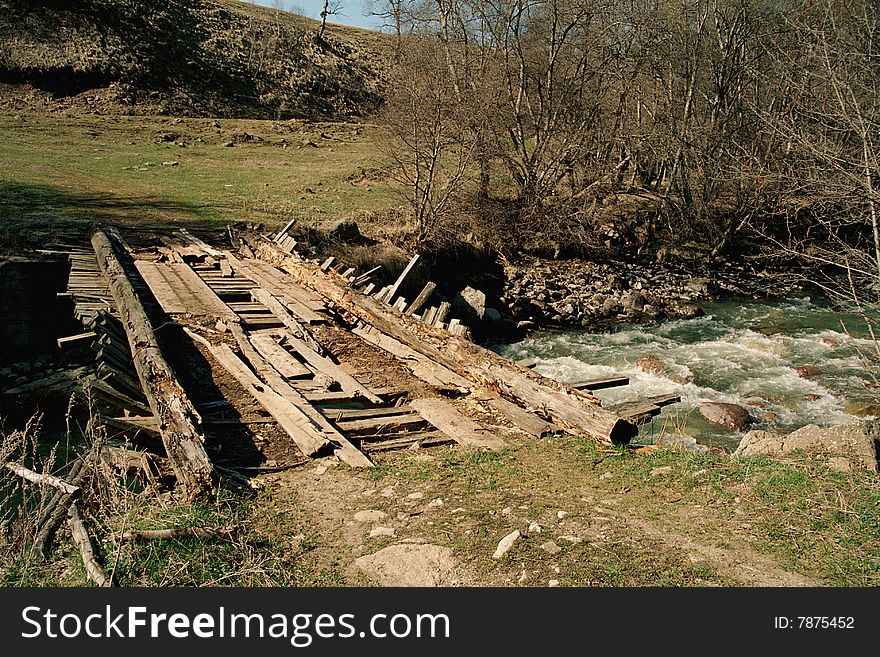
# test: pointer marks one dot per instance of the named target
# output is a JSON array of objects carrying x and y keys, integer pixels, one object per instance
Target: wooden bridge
[{"x": 270, "y": 325}]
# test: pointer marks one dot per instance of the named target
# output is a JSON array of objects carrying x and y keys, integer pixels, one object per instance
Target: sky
[{"x": 352, "y": 11}]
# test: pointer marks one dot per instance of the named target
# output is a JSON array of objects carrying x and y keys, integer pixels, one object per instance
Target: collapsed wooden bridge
[{"x": 259, "y": 313}]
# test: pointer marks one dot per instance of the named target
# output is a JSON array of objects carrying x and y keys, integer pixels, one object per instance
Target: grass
[{"x": 85, "y": 169}]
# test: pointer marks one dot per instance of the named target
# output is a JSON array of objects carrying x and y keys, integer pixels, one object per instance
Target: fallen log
[
  {"x": 167, "y": 399},
  {"x": 576, "y": 411},
  {"x": 81, "y": 536},
  {"x": 41, "y": 478}
]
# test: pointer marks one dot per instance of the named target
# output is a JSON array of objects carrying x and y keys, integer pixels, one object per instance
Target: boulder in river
[
  {"x": 650, "y": 364},
  {"x": 732, "y": 417}
]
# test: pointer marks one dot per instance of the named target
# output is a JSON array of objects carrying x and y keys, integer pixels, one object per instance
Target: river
[{"x": 742, "y": 351}]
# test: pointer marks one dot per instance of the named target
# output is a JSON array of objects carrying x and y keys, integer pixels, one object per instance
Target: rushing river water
[{"x": 745, "y": 352}]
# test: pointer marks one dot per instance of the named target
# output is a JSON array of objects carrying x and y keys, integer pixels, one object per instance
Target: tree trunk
[{"x": 167, "y": 399}]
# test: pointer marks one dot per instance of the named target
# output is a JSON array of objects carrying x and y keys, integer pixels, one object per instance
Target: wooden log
[
  {"x": 56, "y": 510},
  {"x": 167, "y": 398},
  {"x": 421, "y": 299},
  {"x": 459, "y": 427},
  {"x": 41, "y": 478},
  {"x": 94, "y": 570},
  {"x": 573, "y": 410},
  {"x": 400, "y": 279}
]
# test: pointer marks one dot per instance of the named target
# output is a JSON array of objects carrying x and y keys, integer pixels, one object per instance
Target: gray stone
[
  {"x": 410, "y": 565},
  {"x": 345, "y": 231},
  {"x": 662, "y": 470},
  {"x": 682, "y": 442},
  {"x": 370, "y": 515},
  {"x": 506, "y": 543},
  {"x": 732, "y": 417},
  {"x": 854, "y": 442},
  {"x": 471, "y": 301},
  {"x": 551, "y": 548}
]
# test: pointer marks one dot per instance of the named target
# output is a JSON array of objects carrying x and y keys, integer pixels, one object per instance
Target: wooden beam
[
  {"x": 400, "y": 279},
  {"x": 281, "y": 359},
  {"x": 575, "y": 411},
  {"x": 459, "y": 427},
  {"x": 280, "y": 310},
  {"x": 168, "y": 400},
  {"x": 421, "y": 299},
  {"x": 601, "y": 383}
]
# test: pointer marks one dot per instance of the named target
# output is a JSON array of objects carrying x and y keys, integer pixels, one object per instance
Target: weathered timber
[
  {"x": 109, "y": 394},
  {"x": 383, "y": 424},
  {"x": 146, "y": 424},
  {"x": 400, "y": 279},
  {"x": 422, "y": 439},
  {"x": 442, "y": 313},
  {"x": 518, "y": 416},
  {"x": 459, "y": 427},
  {"x": 334, "y": 398},
  {"x": 283, "y": 231},
  {"x": 326, "y": 366},
  {"x": 280, "y": 310},
  {"x": 363, "y": 278},
  {"x": 363, "y": 413},
  {"x": 422, "y": 298},
  {"x": 576, "y": 411},
  {"x": 326, "y": 264},
  {"x": 307, "y": 436},
  {"x": 601, "y": 383},
  {"x": 80, "y": 534},
  {"x": 41, "y": 478},
  {"x": 281, "y": 359},
  {"x": 167, "y": 399},
  {"x": 70, "y": 341}
]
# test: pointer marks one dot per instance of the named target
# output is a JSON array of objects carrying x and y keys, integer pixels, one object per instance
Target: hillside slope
[{"x": 191, "y": 57}]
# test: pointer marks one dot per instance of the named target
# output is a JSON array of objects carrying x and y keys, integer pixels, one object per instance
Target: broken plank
[
  {"x": 600, "y": 383},
  {"x": 295, "y": 423},
  {"x": 281, "y": 359},
  {"x": 400, "y": 279},
  {"x": 460, "y": 428},
  {"x": 421, "y": 299},
  {"x": 280, "y": 310},
  {"x": 326, "y": 366},
  {"x": 383, "y": 424},
  {"x": 521, "y": 418}
]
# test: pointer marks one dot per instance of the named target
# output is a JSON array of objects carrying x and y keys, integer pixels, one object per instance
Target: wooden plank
[
  {"x": 601, "y": 383},
  {"x": 429, "y": 315},
  {"x": 383, "y": 424},
  {"x": 279, "y": 309},
  {"x": 422, "y": 367},
  {"x": 519, "y": 417},
  {"x": 348, "y": 272},
  {"x": 295, "y": 423},
  {"x": 400, "y": 279},
  {"x": 422, "y": 439},
  {"x": 442, "y": 314},
  {"x": 287, "y": 366},
  {"x": 326, "y": 366},
  {"x": 342, "y": 397},
  {"x": 363, "y": 278},
  {"x": 71, "y": 341},
  {"x": 362, "y": 413},
  {"x": 284, "y": 230},
  {"x": 421, "y": 299},
  {"x": 226, "y": 270},
  {"x": 327, "y": 263},
  {"x": 460, "y": 428}
]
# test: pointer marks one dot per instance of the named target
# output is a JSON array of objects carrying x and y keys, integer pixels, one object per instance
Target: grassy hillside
[{"x": 190, "y": 57}]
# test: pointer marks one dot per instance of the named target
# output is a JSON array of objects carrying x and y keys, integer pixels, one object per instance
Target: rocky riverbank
[{"x": 580, "y": 294}]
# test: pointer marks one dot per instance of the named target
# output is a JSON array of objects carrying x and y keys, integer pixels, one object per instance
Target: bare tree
[{"x": 330, "y": 8}]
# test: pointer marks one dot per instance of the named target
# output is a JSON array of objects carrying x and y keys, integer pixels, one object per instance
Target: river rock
[
  {"x": 472, "y": 302},
  {"x": 346, "y": 231},
  {"x": 650, "y": 364},
  {"x": 410, "y": 565},
  {"x": 682, "y": 442},
  {"x": 732, "y": 417},
  {"x": 854, "y": 441}
]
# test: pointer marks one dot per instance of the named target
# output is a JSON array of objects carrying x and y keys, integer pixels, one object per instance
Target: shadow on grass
[{"x": 32, "y": 215}]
